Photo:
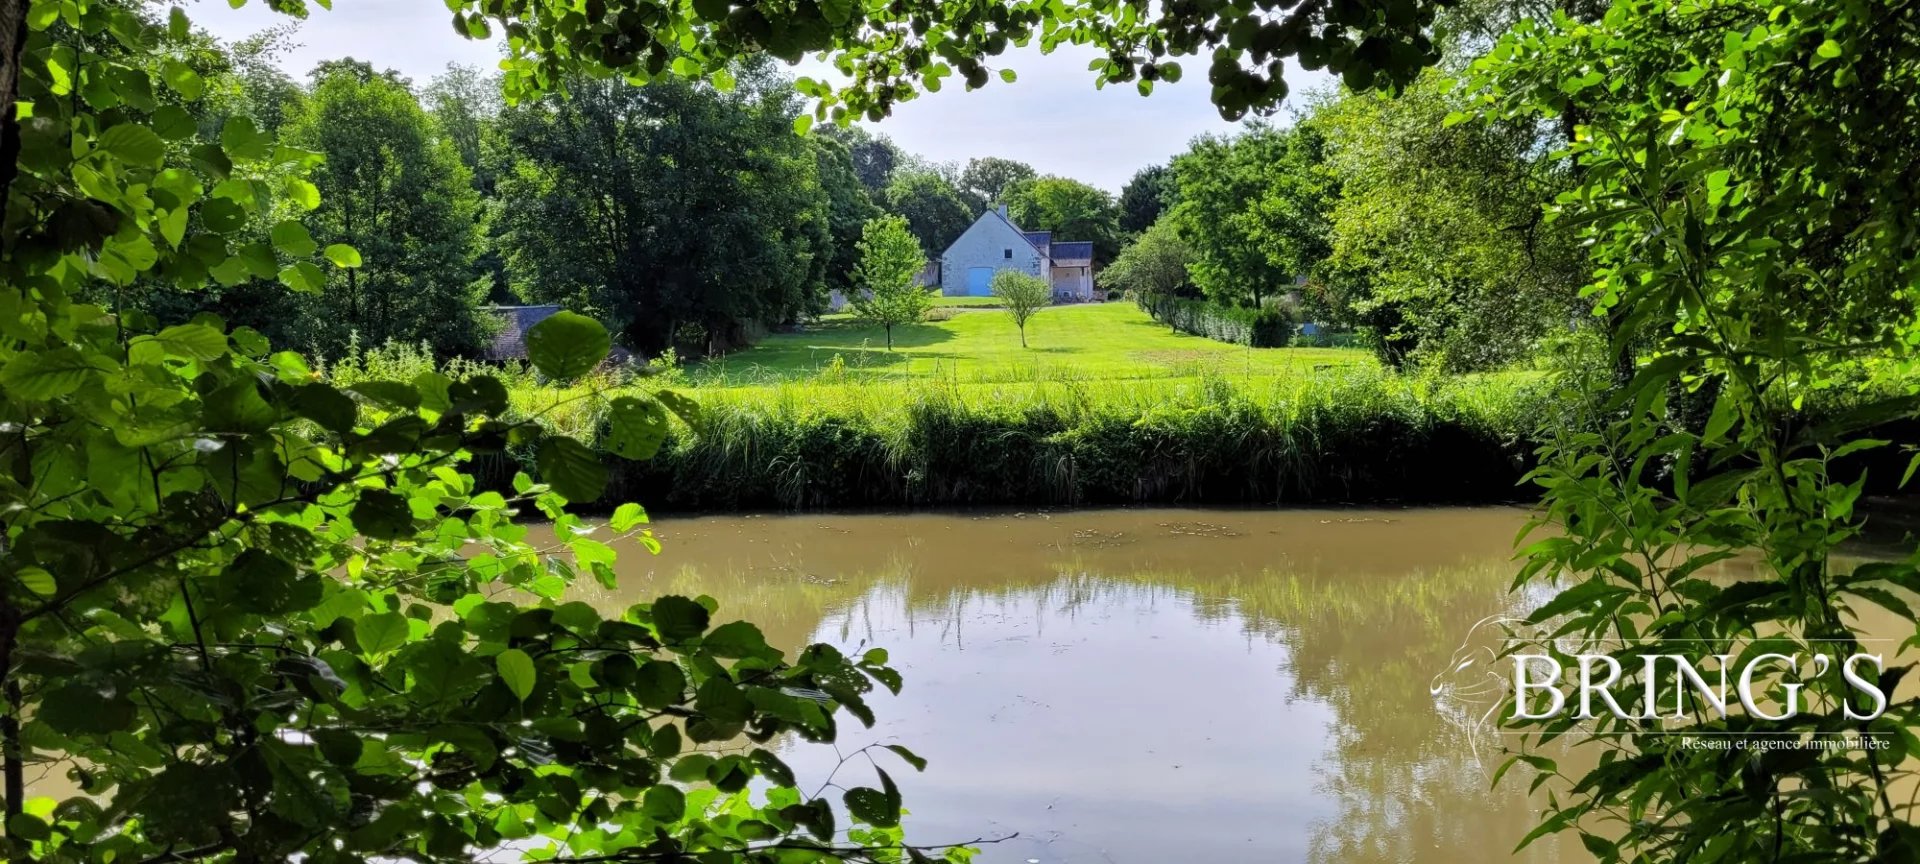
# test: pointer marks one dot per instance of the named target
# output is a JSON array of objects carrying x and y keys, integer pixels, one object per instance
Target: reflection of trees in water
[{"x": 1407, "y": 785}]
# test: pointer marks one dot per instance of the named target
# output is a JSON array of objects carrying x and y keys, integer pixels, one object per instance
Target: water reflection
[{"x": 1147, "y": 686}]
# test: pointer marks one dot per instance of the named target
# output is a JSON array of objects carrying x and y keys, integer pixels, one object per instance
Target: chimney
[{"x": 1003, "y": 211}]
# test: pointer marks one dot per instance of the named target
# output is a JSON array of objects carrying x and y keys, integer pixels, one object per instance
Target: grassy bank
[
  {"x": 1334, "y": 437},
  {"x": 1083, "y": 342}
]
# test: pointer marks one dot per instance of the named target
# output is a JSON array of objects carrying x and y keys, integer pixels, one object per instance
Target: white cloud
[{"x": 1051, "y": 118}]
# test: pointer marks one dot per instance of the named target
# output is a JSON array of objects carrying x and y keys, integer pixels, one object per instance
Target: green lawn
[{"x": 1086, "y": 342}]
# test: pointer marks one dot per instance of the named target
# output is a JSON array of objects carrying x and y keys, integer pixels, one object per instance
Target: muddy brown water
[{"x": 1145, "y": 685}]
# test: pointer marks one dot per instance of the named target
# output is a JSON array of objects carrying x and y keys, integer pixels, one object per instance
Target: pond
[{"x": 1145, "y": 685}]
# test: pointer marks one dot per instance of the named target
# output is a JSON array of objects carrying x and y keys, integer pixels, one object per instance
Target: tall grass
[
  {"x": 1340, "y": 435},
  {"x": 1347, "y": 437}
]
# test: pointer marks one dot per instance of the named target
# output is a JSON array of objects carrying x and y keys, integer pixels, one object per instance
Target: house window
[{"x": 1009, "y": 254}]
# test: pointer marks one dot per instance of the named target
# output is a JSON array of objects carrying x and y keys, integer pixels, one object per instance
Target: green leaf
[
  {"x": 27, "y": 827},
  {"x": 37, "y": 580},
  {"x": 1828, "y": 49},
  {"x": 239, "y": 407},
  {"x": 261, "y": 583},
  {"x": 516, "y": 671},
  {"x": 183, "y": 80},
  {"x": 683, "y": 407},
  {"x": 382, "y": 633},
  {"x": 567, "y": 345},
  {"x": 1008, "y": 75},
  {"x": 134, "y": 144},
  {"x": 570, "y": 468},
  {"x": 665, "y": 804},
  {"x": 870, "y": 806},
  {"x": 325, "y": 405},
  {"x": 636, "y": 427},
  {"x": 382, "y": 515},
  {"x": 84, "y": 708},
  {"x": 41, "y": 375},
  {"x": 912, "y": 758},
  {"x": 302, "y": 193},
  {"x": 304, "y": 277},
  {"x": 657, "y": 684},
  {"x": 627, "y": 516},
  {"x": 802, "y": 123},
  {"x": 678, "y": 619},
  {"x": 341, "y": 254},
  {"x": 293, "y": 238},
  {"x": 736, "y": 640},
  {"x": 223, "y": 216},
  {"x": 243, "y": 142}
]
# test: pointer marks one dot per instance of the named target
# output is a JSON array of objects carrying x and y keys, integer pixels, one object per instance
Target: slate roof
[
  {"x": 1039, "y": 239},
  {"x": 1073, "y": 250},
  {"x": 511, "y": 342}
]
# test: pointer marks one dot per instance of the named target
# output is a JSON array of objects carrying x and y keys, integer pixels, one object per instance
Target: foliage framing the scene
[
  {"x": 1747, "y": 177},
  {"x": 249, "y": 614}
]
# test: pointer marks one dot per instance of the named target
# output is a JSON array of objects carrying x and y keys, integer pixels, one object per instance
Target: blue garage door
[{"x": 980, "y": 281}]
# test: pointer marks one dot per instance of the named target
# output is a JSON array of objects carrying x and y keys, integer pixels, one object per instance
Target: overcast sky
[{"x": 1051, "y": 118}]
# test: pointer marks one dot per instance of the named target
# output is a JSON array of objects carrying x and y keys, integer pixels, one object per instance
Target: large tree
[
  {"x": 674, "y": 207},
  {"x": 1439, "y": 240},
  {"x": 849, "y": 206},
  {"x": 1252, "y": 210},
  {"x": 1072, "y": 210},
  {"x": 392, "y": 189},
  {"x": 1149, "y": 193},
  {"x": 989, "y": 177},
  {"x": 1155, "y": 263},
  {"x": 934, "y": 209}
]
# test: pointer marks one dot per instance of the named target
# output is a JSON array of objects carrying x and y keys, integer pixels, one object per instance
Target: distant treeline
[{"x": 682, "y": 214}]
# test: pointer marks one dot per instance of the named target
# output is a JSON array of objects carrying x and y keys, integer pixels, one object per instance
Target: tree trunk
[
  {"x": 13, "y": 41},
  {"x": 889, "y": 329},
  {"x": 1023, "y": 335}
]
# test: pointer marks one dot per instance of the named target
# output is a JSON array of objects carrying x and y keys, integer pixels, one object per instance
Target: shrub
[{"x": 1266, "y": 327}]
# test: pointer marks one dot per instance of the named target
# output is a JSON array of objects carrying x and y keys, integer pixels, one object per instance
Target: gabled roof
[
  {"x": 1042, "y": 241},
  {"x": 511, "y": 342},
  {"x": 1073, "y": 251}
]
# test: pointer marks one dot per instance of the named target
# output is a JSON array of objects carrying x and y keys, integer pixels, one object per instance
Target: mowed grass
[{"x": 1084, "y": 342}]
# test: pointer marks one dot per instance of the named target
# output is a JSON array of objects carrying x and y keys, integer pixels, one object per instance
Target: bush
[{"x": 1267, "y": 327}]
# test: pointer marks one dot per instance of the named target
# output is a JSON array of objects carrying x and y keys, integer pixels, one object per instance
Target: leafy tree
[
  {"x": 1745, "y": 178},
  {"x": 465, "y": 105},
  {"x": 1439, "y": 240},
  {"x": 874, "y": 157},
  {"x": 849, "y": 206},
  {"x": 669, "y": 206},
  {"x": 1022, "y": 295},
  {"x": 1072, "y": 210},
  {"x": 933, "y": 208},
  {"x": 1253, "y": 210},
  {"x": 1148, "y": 194},
  {"x": 989, "y": 178},
  {"x": 392, "y": 190},
  {"x": 1155, "y": 263},
  {"x": 890, "y": 264}
]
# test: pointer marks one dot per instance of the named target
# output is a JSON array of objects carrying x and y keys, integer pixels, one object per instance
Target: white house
[{"x": 993, "y": 243}]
